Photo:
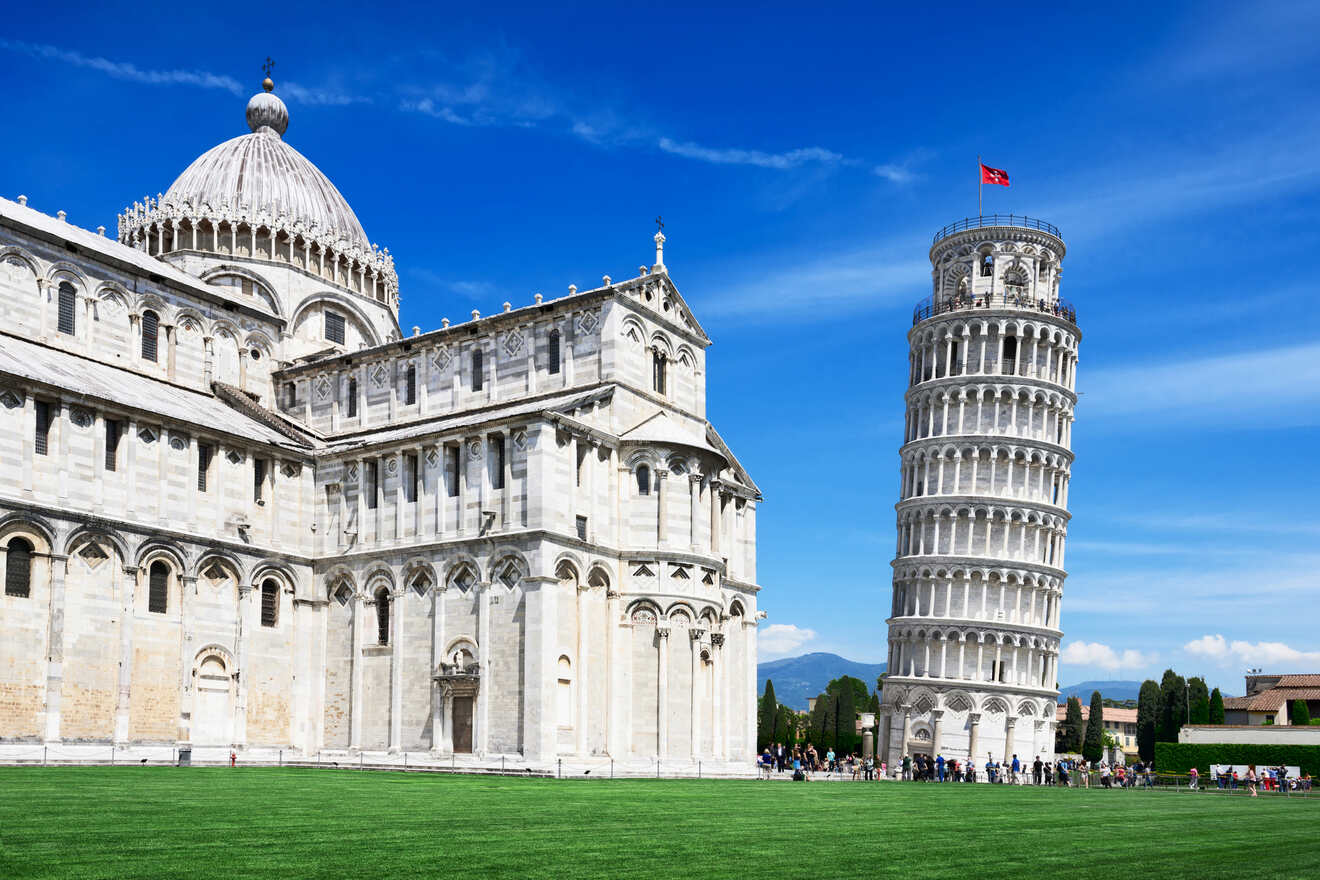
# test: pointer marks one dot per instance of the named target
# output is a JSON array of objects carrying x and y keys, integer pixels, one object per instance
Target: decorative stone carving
[
  {"x": 520, "y": 440},
  {"x": 322, "y": 388},
  {"x": 440, "y": 360},
  {"x": 234, "y": 456},
  {"x": 391, "y": 465},
  {"x": 587, "y": 322},
  {"x": 378, "y": 375},
  {"x": 474, "y": 450},
  {"x": 513, "y": 343},
  {"x": 178, "y": 444},
  {"x": 146, "y": 435},
  {"x": 643, "y": 615},
  {"x": 717, "y": 639}
]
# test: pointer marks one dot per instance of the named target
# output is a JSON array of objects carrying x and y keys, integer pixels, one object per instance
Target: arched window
[
  {"x": 270, "y": 603},
  {"x": 643, "y": 480},
  {"x": 383, "y": 616},
  {"x": 158, "y": 588},
  {"x": 410, "y": 394},
  {"x": 290, "y": 395},
  {"x": 987, "y": 265},
  {"x": 1009, "y": 366},
  {"x": 67, "y": 303},
  {"x": 18, "y": 568},
  {"x": 478, "y": 370},
  {"x": 352, "y": 397},
  {"x": 554, "y": 351},
  {"x": 658, "y": 371},
  {"x": 150, "y": 332},
  {"x": 564, "y": 693}
]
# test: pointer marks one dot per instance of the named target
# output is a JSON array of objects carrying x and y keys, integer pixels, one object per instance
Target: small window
[
  {"x": 582, "y": 528},
  {"x": 478, "y": 370},
  {"x": 497, "y": 462},
  {"x": 41, "y": 440},
  {"x": 150, "y": 333},
  {"x": 410, "y": 477},
  {"x": 352, "y": 397},
  {"x": 68, "y": 301},
  {"x": 113, "y": 431},
  {"x": 382, "y": 616},
  {"x": 258, "y": 479},
  {"x": 290, "y": 395},
  {"x": 371, "y": 482},
  {"x": 658, "y": 371},
  {"x": 554, "y": 351},
  {"x": 643, "y": 480},
  {"x": 158, "y": 588},
  {"x": 18, "y": 569},
  {"x": 204, "y": 455},
  {"x": 451, "y": 471},
  {"x": 334, "y": 327},
  {"x": 270, "y": 603},
  {"x": 410, "y": 393},
  {"x": 1009, "y": 366}
]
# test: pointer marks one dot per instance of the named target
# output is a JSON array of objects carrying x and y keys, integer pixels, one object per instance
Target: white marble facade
[
  {"x": 241, "y": 508},
  {"x": 983, "y": 510}
]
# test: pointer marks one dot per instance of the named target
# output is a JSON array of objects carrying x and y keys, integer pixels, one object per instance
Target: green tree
[
  {"x": 1299, "y": 715},
  {"x": 1069, "y": 738},
  {"x": 821, "y": 726},
  {"x": 1216, "y": 707},
  {"x": 845, "y": 721},
  {"x": 1093, "y": 744},
  {"x": 1199, "y": 704},
  {"x": 1173, "y": 706},
  {"x": 765, "y": 718},
  {"x": 783, "y": 725},
  {"x": 1148, "y": 714}
]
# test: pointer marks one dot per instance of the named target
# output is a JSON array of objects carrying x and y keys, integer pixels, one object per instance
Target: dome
[{"x": 262, "y": 175}]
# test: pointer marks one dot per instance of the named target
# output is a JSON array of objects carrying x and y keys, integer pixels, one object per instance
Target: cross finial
[
  {"x": 268, "y": 66},
  {"x": 659, "y": 224}
]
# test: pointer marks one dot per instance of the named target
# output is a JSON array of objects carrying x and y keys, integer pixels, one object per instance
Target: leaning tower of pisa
[{"x": 983, "y": 507}]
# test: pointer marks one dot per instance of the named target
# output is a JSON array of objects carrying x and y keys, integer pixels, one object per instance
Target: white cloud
[
  {"x": 1269, "y": 387},
  {"x": 731, "y": 156},
  {"x": 1262, "y": 654},
  {"x": 893, "y": 173},
  {"x": 123, "y": 69},
  {"x": 1096, "y": 655},
  {"x": 781, "y": 639}
]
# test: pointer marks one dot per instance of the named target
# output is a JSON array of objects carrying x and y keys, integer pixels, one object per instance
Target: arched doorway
[{"x": 213, "y": 702}]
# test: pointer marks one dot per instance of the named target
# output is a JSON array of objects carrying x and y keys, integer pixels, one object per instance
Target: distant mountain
[
  {"x": 798, "y": 678},
  {"x": 1110, "y": 690}
]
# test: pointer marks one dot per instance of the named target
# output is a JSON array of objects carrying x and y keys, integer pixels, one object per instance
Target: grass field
[{"x": 268, "y": 823}]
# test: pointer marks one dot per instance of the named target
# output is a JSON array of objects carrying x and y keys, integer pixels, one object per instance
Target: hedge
[{"x": 1179, "y": 757}]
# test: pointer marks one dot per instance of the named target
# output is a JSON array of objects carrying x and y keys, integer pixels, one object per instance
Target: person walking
[
  {"x": 1036, "y": 771},
  {"x": 1193, "y": 775},
  {"x": 939, "y": 767},
  {"x": 1251, "y": 779},
  {"x": 1013, "y": 772},
  {"x": 907, "y": 768}
]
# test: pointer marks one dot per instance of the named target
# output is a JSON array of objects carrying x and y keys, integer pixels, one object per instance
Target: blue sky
[{"x": 801, "y": 163}]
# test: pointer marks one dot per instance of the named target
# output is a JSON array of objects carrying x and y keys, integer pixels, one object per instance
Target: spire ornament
[{"x": 659, "y": 244}]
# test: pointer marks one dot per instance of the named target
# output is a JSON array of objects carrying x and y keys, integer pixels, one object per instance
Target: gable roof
[{"x": 660, "y": 427}]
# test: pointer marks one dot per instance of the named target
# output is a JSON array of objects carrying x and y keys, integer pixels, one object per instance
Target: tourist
[
  {"x": 939, "y": 766},
  {"x": 969, "y": 772},
  {"x": 1063, "y": 774},
  {"x": 907, "y": 768},
  {"x": 1192, "y": 776},
  {"x": 990, "y": 769},
  {"x": 767, "y": 763},
  {"x": 1251, "y": 779},
  {"x": 1016, "y": 767},
  {"x": 1036, "y": 768},
  {"x": 1282, "y": 776},
  {"x": 1104, "y": 775}
]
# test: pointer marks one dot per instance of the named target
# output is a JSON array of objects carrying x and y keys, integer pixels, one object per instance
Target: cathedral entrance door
[
  {"x": 463, "y": 725},
  {"x": 212, "y": 720}
]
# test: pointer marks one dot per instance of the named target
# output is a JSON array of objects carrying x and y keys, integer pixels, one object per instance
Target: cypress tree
[
  {"x": 1300, "y": 715},
  {"x": 1093, "y": 746},
  {"x": 1199, "y": 707},
  {"x": 1148, "y": 711},
  {"x": 781, "y": 725},
  {"x": 825, "y": 733},
  {"x": 1073, "y": 725},
  {"x": 845, "y": 721},
  {"x": 815, "y": 729},
  {"x": 1216, "y": 707},
  {"x": 1173, "y": 706},
  {"x": 765, "y": 719}
]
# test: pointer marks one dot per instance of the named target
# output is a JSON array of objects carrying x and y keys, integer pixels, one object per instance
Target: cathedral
[{"x": 241, "y": 510}]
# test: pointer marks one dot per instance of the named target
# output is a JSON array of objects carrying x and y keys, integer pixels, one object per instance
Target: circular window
[{"x": 256, "y": 354}]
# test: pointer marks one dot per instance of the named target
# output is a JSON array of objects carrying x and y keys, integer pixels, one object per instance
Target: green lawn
[{"x": 253, "y": 822}]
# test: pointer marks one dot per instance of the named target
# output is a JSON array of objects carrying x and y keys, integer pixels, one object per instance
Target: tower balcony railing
[
  {"x": 1018, "y": 220},
  {"x": 1023, "y": 301}
]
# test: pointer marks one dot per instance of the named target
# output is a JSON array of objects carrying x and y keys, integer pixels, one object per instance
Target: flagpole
[{"x": 980, "y": 181}]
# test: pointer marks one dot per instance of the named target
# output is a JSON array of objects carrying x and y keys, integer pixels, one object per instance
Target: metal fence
[
  {"x": 1018, "y": 220},
  {"x": 1059, "y": 308}
]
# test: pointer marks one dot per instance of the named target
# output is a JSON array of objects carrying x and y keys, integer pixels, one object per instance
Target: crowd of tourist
[{"x": 805, "y": 762}]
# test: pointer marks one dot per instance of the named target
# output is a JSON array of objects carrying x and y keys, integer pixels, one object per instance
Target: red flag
[{"x": 993, "y": 175}]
